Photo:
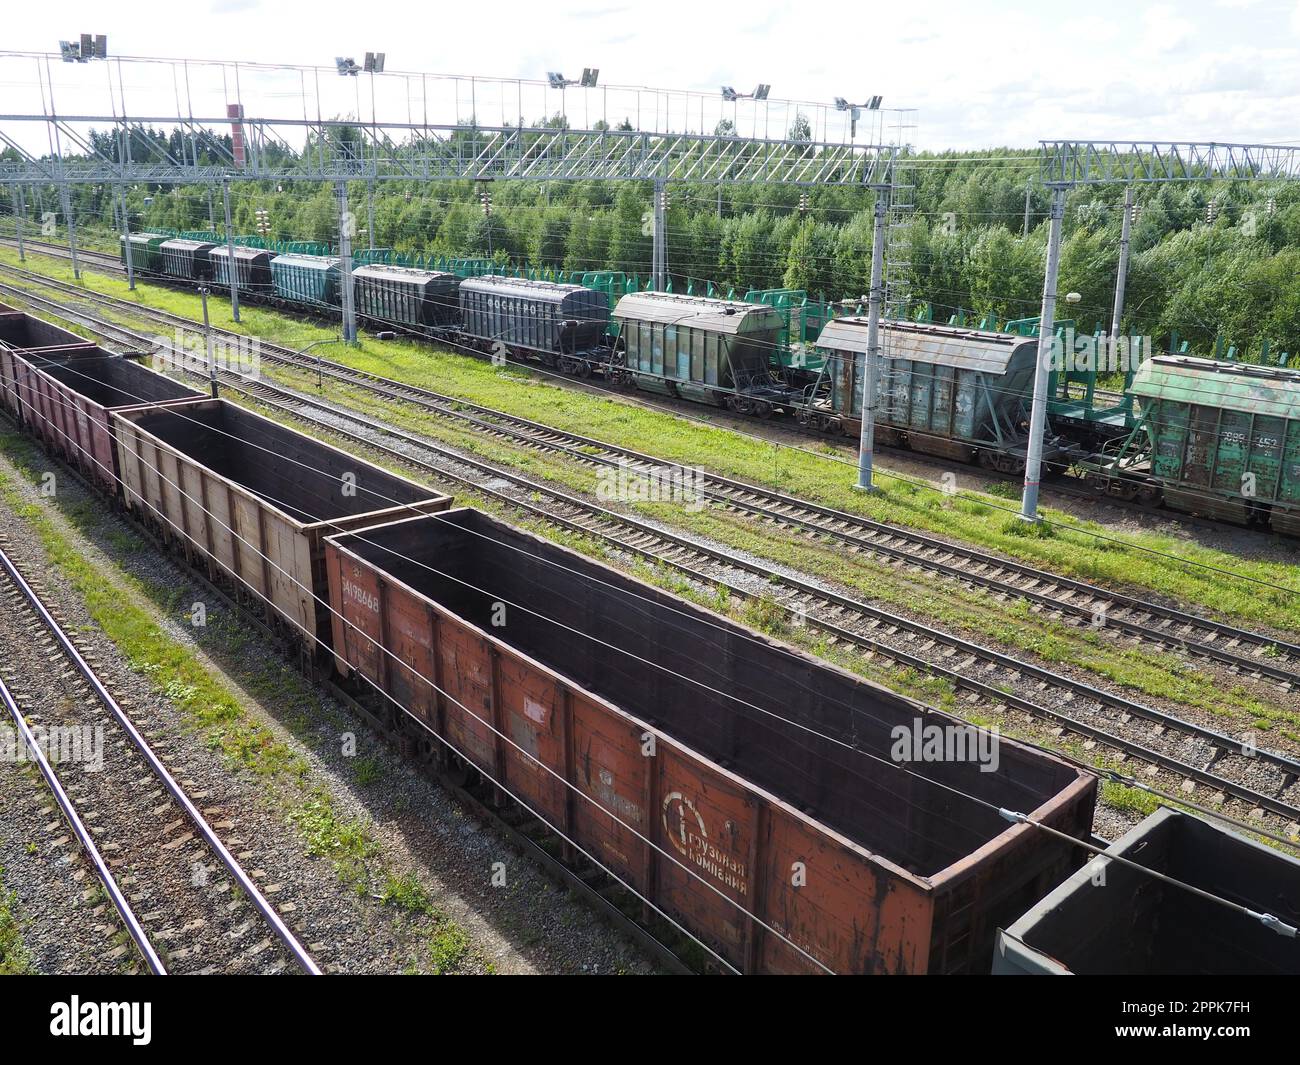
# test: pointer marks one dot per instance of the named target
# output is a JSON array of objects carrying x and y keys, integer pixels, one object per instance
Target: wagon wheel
[
  {"x": 762, "y": 409},
  {"x": 804, "y": 417},
  {"x": 1150, "y": 495}
]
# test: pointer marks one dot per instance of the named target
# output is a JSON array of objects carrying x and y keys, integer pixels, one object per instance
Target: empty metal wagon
[
  {"x": 1111, "y": 919},
  {"x": 257, "y": 499},
  {"x": 776, "y": 826}
]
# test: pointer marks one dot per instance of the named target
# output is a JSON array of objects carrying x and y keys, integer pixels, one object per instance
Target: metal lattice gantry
[
  {"x": 109, "y": 123},
  {"x": 1064, "y": 164},
  {"x": 288, "y": 123},
  {"x": 1148, "y": 162}
]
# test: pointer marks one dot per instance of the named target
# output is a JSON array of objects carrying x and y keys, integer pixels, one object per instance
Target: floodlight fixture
[{"x": 346, "y": 66}]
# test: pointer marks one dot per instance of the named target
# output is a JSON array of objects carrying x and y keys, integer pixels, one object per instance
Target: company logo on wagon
[{"x": 686, "y": 831}]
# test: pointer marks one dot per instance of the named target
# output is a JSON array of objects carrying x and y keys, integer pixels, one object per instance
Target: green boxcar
[
  {"x": 308, "y": 279},
  {"x": 702, "y": 349},
  {"x": 146, "y": 251},
  {"x": 959, "y": 393},
  {"x": 1224, "y": 437}
]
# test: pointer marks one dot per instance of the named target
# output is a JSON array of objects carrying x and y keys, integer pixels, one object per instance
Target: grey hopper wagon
[
  {"x": 704, "y": 349},
  {"x": 962, "y": 394},
  {"x": 406, "y": 295}
]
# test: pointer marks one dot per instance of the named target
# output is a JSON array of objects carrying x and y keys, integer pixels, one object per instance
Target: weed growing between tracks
[
  {"x": 977, "y": 518},
  {"x": 14, "y": 959},
  {"x": 130, "y": 609}
]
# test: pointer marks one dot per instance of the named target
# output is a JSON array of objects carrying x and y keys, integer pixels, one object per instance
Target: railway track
[
  {"x": 1077, "y": 492},
  {"x": 1253, "y": 655},
  {"x": 184, "y": 898},
  {"x": 1170, "y": 754}
]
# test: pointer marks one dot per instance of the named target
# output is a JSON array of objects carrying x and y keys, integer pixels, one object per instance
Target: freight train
[
  {"x": 1217, "y": 439},
  {"x": 739, "y": 786}
]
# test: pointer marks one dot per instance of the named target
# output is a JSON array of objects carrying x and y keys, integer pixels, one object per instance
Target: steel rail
[
  {"x": 241, "y": 877},
  {"x": 134, "y": 927}
]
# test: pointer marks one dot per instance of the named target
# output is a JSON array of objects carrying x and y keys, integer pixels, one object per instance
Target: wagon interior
[
  {"x": 1136, "y": 923},
  {"x": 24, "y": 332},
  {"x": 113, "y": 381},
  {"x": 308, "y": 481},
  {"x": 674, "y": 666}
]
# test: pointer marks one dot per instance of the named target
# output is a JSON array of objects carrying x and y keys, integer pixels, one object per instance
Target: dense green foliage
[{"x": 1202, "y": 272}]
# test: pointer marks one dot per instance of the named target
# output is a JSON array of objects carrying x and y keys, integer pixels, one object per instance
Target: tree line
[{"x": 1210, "y": 261}]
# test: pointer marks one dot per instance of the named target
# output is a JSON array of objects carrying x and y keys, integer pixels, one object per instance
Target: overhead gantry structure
[{"x": 305, "y": 123}]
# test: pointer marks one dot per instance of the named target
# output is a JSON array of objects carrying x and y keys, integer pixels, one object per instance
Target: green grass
[
  {"x": 1128, "y": 559},
  {"x": 14, "y": 958}
]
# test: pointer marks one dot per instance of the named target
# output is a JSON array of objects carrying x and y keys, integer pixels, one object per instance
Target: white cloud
[{"x": 1001, "y": 72}]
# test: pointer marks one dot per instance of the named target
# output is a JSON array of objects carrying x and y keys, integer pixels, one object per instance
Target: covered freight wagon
[
  {"x": 146, "y": 251},
  {"x": 189, "y": 260},
  {"x": 539, "y": 316},
  {"x": 1112, "y": 919},
  {"x": 252, "y": 267},
  {"x": 65, "y": 400},
  {"x": 256, "y": 498},
  {"x": 710, "y": 350},
  {"x": 309, "y": 279},
  {"x": 774, "y": 825},
  {"x": 1224, "y": 437},
  {"x": 963, "y": 394},
  {"x": 406, "y": 295}
]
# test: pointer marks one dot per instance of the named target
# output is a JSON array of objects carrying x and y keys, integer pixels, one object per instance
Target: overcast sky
[{"x": 981, "y": 74}]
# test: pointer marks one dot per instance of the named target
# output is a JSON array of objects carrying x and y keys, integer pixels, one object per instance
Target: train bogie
[
  {"x": 256, "y": 499},
  {"x": 743, "y": 787}
]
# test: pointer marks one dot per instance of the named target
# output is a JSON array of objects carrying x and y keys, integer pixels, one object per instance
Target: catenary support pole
[
  {"x": 345, "y": 254},
  {"x": 22, "y": 218},
  {"x": 127, "y": 250},
  {"x": 871, "y": 367},
  {"x": 1117, "y": 316},
  {"x": 370, "y": 206},
  {"x": 1042, "y": 370},
  {"x": 658, "y": 255},
  {"x": 207, "y": 341},
  {"x": 72, "y": 228},
  {"x": 230, "y": 251}
]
